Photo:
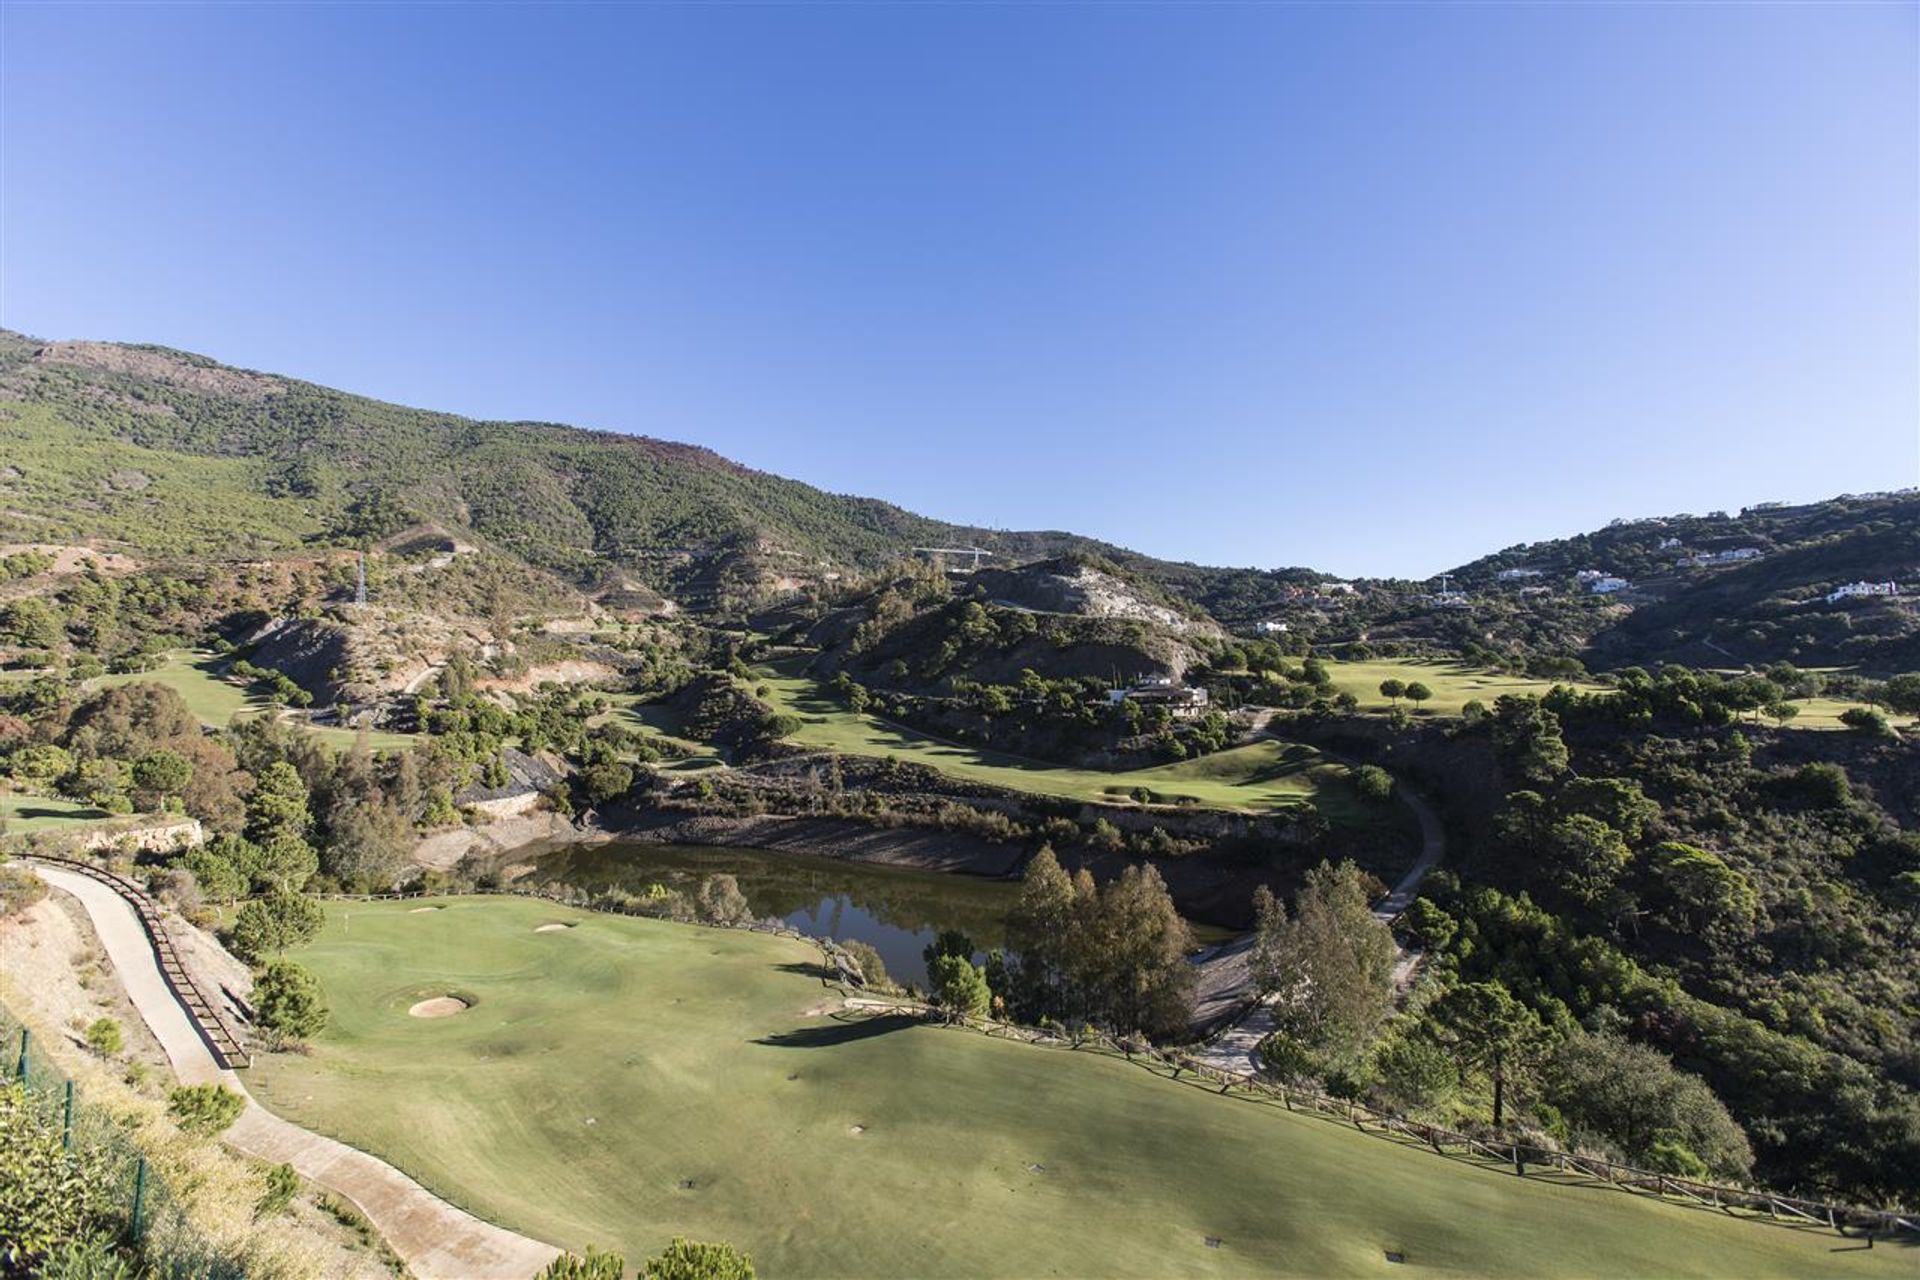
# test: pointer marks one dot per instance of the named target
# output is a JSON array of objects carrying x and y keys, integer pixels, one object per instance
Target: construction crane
[{"x": 975, "y": 552}]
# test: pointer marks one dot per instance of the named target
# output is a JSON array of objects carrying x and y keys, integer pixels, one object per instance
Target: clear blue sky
[{"x": 1371, "y": 288}]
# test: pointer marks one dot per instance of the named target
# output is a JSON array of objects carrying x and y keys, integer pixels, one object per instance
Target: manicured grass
[
  {"x": 1259, "y": 777},
  {"x": 25, "y": 814},
  {"x": 194, "y": 675},
  {"x": 1824, "y": 713},
  {"x": 624, "y": 1081},
  {"x": 1454, "y": 684},
  {"x": 216, "y": 702},
  {"x": 656, "y": 721}
]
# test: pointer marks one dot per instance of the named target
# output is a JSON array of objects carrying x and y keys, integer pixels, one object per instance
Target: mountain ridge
[{"x": 176, "y": 453}]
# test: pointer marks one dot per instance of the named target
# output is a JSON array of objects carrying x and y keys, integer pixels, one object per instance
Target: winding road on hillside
[
  {"x": 1233, "y": 1049},
  {"x": 436, "y": 1240}
]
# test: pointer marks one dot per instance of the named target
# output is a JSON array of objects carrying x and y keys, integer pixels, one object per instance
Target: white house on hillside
[
  {"x": 1734, "y": 556},
  {"x": 1605, "y": 586},
  {"x": 1859, "y": 590}
]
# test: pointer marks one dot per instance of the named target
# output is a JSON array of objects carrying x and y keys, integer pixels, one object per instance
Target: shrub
[
  {"x": 1867, "y": 721},
  {"x": 282, "y": 1183},
  {"x": 595, "y": 1266},
  {"x": 693, "y": 1260},
  {"x": 1374, "y": 784},
  {"x": 48, "y": 1196},
  {"x": 205, "y": 1109},
  {"x": 872, "y": 967},
  {"x": 103, "y": 1037},
  {"x": 19, "y": 890}
]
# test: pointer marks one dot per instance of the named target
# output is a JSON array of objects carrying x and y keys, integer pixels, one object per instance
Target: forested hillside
[{"x": 173, "y": 453}]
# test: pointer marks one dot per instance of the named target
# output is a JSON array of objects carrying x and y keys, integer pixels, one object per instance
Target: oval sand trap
[
  {"x": 439, "y": 1007},
  {"x": 550, "y": 928},
  {"x": 420, "y": 910}
]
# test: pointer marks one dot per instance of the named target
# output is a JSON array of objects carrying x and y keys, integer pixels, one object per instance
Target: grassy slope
[
  {"x": 691, "y": 1053},
  {"x": 1261, "y": 777},
  {"x": 26, "y": 813},
  {"x": 194, "y": 675}
]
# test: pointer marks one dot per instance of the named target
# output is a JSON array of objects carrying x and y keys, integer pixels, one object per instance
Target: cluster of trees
[
  {"x": 1078, "y": 952},
  {"x": 132, "y": 747},
  {"x": 277, "y": 685},
  {"x": 1467, "y": 1040}
]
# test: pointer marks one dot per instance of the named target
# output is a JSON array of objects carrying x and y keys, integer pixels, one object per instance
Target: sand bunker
[
  {"x": 418, "y": 910},
  {"x": 440, "y": 1007},
  {"x": 550, "y": 928}
]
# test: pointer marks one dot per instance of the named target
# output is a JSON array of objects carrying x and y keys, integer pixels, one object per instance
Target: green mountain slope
[{"x": 173, "y": 453}]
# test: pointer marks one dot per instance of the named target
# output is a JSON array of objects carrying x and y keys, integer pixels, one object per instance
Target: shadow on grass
[
  {"x": 27, "y": 811},
  {"x": 837, "y": 1033},
  {"x": 806, "y": 969}
]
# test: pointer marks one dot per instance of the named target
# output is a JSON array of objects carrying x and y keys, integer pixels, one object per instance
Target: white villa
[
  {"x": 1606, "y": 586},
  {"x": 1735, "y": 556},
  {"x": 1861, "y": 590}
]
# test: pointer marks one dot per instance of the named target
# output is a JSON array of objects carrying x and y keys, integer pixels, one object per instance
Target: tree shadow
[
  {"x": 806, "y": 969},
  {"x": 837, "y": 1033}
]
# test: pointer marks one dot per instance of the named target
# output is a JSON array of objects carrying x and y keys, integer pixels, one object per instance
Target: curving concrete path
[{"x": 437, "y": 1240}]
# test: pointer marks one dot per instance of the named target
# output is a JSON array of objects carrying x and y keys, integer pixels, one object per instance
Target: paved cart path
[
  {"x": 437, "y": 1240},
  {"x": 1233, "y": 1049}
]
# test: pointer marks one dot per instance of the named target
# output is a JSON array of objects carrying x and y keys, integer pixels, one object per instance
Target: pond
[{"x": 896, "y": 910}]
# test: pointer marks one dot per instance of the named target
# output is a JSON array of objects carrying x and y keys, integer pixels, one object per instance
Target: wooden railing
[{"x": 227, "y": 1047}]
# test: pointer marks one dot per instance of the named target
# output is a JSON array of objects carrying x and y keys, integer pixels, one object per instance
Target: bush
[
  {"x": 692, "y": 1260},
  {"x": 872, "y": 967},
  {"x": 205, "y": 1109},
  {"x": 19, "y": 890},
  {"x": 103, "y": 1037},
  {"x": 1867, "y": 721},
  {"x": 49, "y": 1196},
  {"x": 595, "y": 1266},
  {"x": 282, "y": 1183},
  {"x": 1374, "y": 784}
]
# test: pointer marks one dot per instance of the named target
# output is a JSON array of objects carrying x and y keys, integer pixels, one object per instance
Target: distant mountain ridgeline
[{"x": 174, "y": 455}]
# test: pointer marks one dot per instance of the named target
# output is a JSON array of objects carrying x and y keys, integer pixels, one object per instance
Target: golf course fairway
[{"x": 621, "y": 1081}]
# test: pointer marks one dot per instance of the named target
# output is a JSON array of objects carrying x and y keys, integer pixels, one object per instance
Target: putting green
[{"x": 624, "y": 1081}]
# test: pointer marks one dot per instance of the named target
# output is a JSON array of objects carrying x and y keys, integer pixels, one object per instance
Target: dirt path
[
  {"x": 437, "y": 1240},
  {"x": 1233, "y": 1049}
]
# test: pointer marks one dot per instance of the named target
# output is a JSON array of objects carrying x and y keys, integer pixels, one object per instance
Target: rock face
[
  {"x": 528, "y": 778},
  {"x": 1059, "y": 586},
  {"x": 311, "y": 652}
]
